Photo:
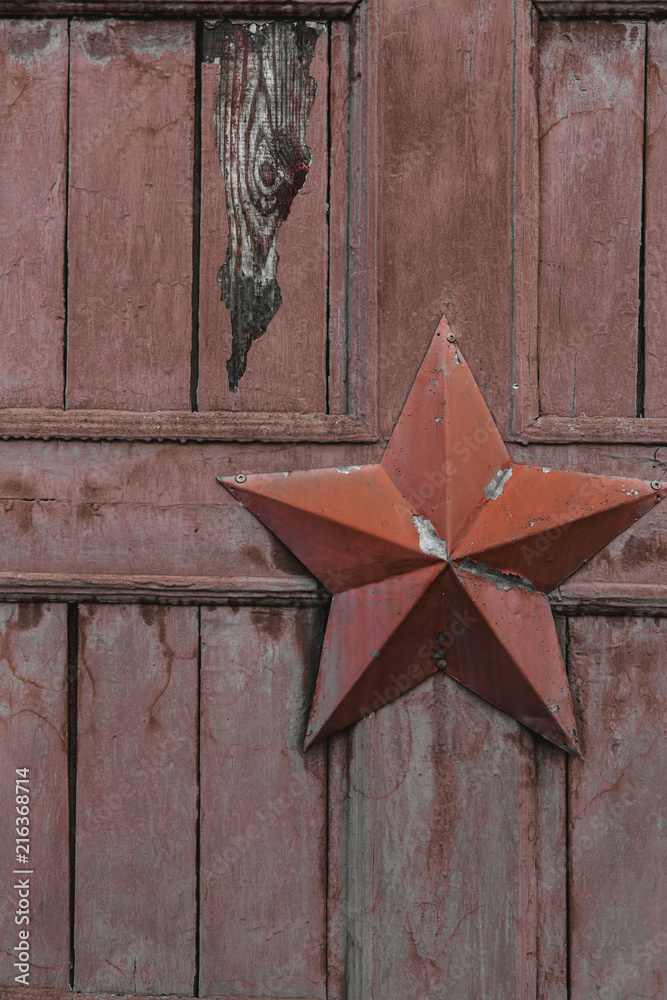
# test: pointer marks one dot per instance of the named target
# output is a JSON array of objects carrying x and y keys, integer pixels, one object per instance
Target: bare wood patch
[{"x": 264, "y": 99}]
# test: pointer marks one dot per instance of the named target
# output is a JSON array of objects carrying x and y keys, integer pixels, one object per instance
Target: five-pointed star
[{"x": 440, "y": 556}]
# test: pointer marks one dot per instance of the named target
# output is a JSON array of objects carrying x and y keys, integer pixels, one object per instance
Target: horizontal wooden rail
[
  {"x": 638, "y": 599},
  {"x": 255, "y": 591},
  {"x": 593, "y": 430},
  {"x": 210, "y": 9},
  {"x": 27, "y": 993},
  {"x": 595, "y": 9},
  {"x": 178, "y": 425}
]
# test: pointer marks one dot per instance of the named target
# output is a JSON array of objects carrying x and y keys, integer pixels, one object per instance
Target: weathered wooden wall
[{"x": 437, "y": 849}]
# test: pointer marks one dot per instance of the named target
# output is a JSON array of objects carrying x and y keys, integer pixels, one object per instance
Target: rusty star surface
[{"x": 439, "y": 558}]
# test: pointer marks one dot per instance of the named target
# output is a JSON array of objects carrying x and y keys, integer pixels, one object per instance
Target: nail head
[{"x": 240, "y": 478}]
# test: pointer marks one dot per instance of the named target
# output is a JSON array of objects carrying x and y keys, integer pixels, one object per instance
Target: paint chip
[
  {"x": 429, "y": 541},
  {"x": 495, "y": 486}
]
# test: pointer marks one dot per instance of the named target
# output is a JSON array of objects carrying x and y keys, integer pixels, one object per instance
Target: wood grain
[
  {"x": 618, "y": 895},
  {"x": 339, "y": 198},
  {"x": 134, "y": 510},
  {"x": 180, "y": 425},
  {"x": 441, "y": 893},
  {"x": 33, "y": 734},
  {"x": 288, "y": 230},
  {"x": 130, "y": 215},
  {"x": 136, "y": 799},
  {"x": 212, "y": 9},
  {"x": 263, "y": 807},
  {"x": 591, "y": 106},
  {"x": 655, "y": 238},
  {"x": 604, "y": 430},
  {"x": 445, "y": 94},
  {"x": 33, "y": 152}
]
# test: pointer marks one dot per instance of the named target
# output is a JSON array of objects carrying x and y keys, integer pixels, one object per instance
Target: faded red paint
[{"x": 439, "y": 557}]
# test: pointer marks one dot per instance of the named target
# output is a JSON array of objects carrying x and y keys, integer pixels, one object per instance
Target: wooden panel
[
  {"x": 136, "y": 799},
  {"x": 339, "y": 179},
  {"x": 445, "y": 81},
  {"x": 130, "y": 215},
  {"x": 33, "y": 150},
  {"x": 618, "y": 889},
  {"x": 263, "y": 808},
  {"x": 23, "y": 993},
  {"x": 287, "y": 365},
  {"x": 185, "y": 8},
  {"x": 655, "y": 279},
  {"x": 33, "y": 734},
  {"x": 591, "y": 106},
  {"x": 441, "y": 864}
]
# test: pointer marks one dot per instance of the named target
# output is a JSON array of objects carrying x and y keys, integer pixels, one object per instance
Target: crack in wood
[{"x": 264, "y": 100}]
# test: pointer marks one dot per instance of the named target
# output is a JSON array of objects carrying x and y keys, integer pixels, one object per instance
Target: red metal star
[{"x": 440, "y": 556}]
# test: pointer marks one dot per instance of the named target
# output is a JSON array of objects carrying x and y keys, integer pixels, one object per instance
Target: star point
[{"x": 440, "y": 555}]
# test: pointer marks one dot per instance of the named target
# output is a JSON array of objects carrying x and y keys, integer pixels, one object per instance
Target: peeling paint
[
  {"x": 503, "y": 581},
  {"x": 496, "y": 485},
  {"x": 264, "y": 100},
  {"x": 347, "y": 469},
  {"x": 429, "y": 541}
]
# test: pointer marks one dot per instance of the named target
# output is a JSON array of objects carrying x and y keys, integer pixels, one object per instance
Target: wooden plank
[
  {"x": 136, "y": 799},
  {"x": 614, "y": 9},
  {"x": 120, "y": 510},
  {"x": 591, "y": 106},
  {"x": 551, "y": 861},
  {"x": 212, "y": 9},
  {"x": 263, "y": 807},
  {"x": 617, "y": 802},
  {"x": 33, "y": 151},
  {"x": 287, "y": 364},
  {"x": 441, "y": 858},
  {"x": 337, "y": 794},
  {"x": 655, "y": 238},
  {"x": 130, "y": 215},
  {"x": 179, "y": 425},
  {"x": 445, "y": 87},
  {"x": 23, "y": 993},
  {"x": 524, "y": 381},
  {"x": 339, "y": 179},
  {"x": 33, "y": 734},
  {"x": 603, "y": 430}
]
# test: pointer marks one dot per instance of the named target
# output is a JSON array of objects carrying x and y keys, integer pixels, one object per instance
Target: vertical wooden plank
[
  {"x": 618, "y": 800},
  {"x": 441, "y": 858},
  {"x": 655, "y": 238},
  {"x": 551, "y": 860},
  {"x": 286, "y": 365},
  {"x": 446, "y": 133},
  {"x": 591, "y": 106},
  {"x": 550, "y": 845},
  {"x": 338, "y": 791},
  {"x": 33, "y": 735},
  {"x": 339, "y": 110},
  {"x": 263, "y": 808},
  {"x": 130, "y": 215},
  {"x": 524, "y": 381},
  {"x": 136, "y": 799},
  {"x": 33, "y": 151}
]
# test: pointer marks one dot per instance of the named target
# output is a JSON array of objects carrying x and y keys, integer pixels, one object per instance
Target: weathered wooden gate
[{"x": 504, "y": 163}]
